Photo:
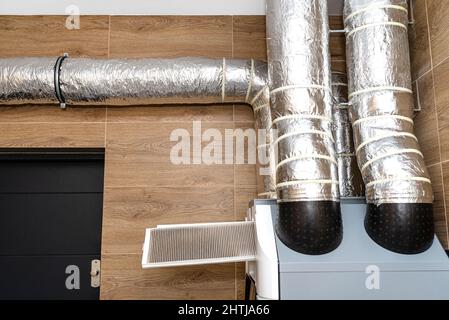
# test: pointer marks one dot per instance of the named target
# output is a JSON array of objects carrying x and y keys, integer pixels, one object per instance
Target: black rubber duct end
[
  {"x": 406, "y": 228},
  {"x": 312, "y": 228}
]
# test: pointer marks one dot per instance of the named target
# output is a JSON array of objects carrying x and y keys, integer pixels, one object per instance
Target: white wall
[{"x": 144, "y": 7}]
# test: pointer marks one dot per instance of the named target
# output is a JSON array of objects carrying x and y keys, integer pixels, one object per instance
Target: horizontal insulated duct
[
  {"x": 399, "y": 190},
  {"x": 126, "y": 82}
]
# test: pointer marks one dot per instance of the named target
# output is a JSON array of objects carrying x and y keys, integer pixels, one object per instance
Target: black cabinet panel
[
  {"x": 44, "y": 277},
  {"x": 51, "y": 207},
  {"x": 49, "y": 224},
  {"x": 52, "y": 176}
]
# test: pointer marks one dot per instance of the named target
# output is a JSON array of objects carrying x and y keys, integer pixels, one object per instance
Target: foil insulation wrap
[
  {"x": 349, "y": 176},
  {"x": 127, "y": 82},
  {"x": 301, "y": 100},
  {"x": 27, "y": 81},
  {"x": 381, "y": 98}
]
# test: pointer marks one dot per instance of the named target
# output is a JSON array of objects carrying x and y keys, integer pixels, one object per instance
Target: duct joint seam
[
  {"x": 382, "y": 88},
  {"x": 250, "y": 84},
  {"x": 386, "y": 136},
  {"x": 57, "y": 82},
  {"x": 390, "y": 154},
  {"x": 303, "y": 157},
  {"x": 374, "y": 7},
  {"x": 223, "y": 86}
]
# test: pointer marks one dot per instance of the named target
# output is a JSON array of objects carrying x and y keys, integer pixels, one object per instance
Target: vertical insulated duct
[
  {"x": 399, "y": 193},
  {"x": 349, "y": 176},
  {"x": 309, "y": 219}
]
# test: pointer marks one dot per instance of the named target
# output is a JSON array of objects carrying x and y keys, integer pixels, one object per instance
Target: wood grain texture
[
  {"x": 129, "y": 211},
  {"x": 52, "y": 114},
  {"x": 249, "y": 34},
  {"x": 48, "y": 36},
  {"x": 123, "y": 278},
  {"x": 441, "y": 77},
  {"x": 426, "y": 127},
  {"x": 438, "y": 14},
  {"x": 171, "y": 113},
  {"x": 419, "y": 41},
  {"x": 171, "y": 36},
  {"x": 52, "y": 135}
]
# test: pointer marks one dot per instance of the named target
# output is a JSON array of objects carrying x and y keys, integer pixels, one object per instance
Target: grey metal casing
[{"x": 346, "y": 273}]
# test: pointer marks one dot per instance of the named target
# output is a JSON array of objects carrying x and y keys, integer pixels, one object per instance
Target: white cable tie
[
  {"x": 297, "y": 133},
  {"x": 302, "y": 116},
  {"x": 250, "y": 84},
  {"x": 341, "y": 84},
  {"x": 258, "y": 95},
  {"x": 265, "y": 145},
  {"x": 267, "y": 194},
  {"x": 301, "y": 86},
  {"x": 304, "y": 157},
  {"x": 261, "y": 107},
  {"x": 383, "y": 88},
  {"x": 392, "y": 135},
  {"x": 390, "y": 154},
  {"x": 300, "y": 182},
  {"x": 417, "y": 179},
  {"x": 372, "y": 118},
  {"x": 377, "y": 24},
  {"x": 375, "y": 7}
]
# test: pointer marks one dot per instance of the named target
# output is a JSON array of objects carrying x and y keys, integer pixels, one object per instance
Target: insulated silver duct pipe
[
  {"x": 309, "y": 219},
  {"x": 125, "y": 82},
  {"x": 349, "y": 176},
  {"x": 399, "y": 191}
]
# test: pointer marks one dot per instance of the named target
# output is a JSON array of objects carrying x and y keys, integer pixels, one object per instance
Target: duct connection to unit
[
  {"x": 399, "y": 191},
  {"x": 309, "y": 218},
  {"x": 349, "y": 176},
  {"x": 124, "y": 82}
]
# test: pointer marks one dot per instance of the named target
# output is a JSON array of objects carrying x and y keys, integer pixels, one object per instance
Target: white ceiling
[{"x": 145, "y": 7}]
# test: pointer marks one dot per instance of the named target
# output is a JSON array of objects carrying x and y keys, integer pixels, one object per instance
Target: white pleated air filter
[{"x": 195, "y": 244}]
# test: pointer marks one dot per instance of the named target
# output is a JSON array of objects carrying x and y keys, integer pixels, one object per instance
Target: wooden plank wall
[
  {"x": 142, "y": 188},
  {"x": 429, "y": 38}
]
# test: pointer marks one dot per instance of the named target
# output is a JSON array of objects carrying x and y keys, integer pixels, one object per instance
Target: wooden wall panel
[
  {"x": 429, "y": 44},
  {"x": 52, "y": 135},
  {"x": 142, "y": 187},
  {"x": 123, "y": 278},
  {"x": 171, "y": 36},
  {"x": 48, "y": 36}
]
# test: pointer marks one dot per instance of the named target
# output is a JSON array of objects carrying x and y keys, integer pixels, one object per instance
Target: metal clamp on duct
[
  {"x": 349, "y": 176},
  {"x": 309, "y": 219},
  {"x": 125, "y": 82},
  {"x": 399, "y": 191}
]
